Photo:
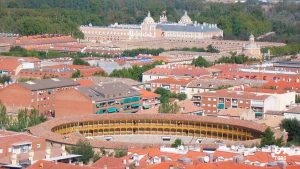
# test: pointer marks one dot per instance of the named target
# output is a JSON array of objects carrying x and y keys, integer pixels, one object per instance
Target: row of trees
[
  {"x": 25, "y": 118},
  {"x": 64, "y": 16},
  {"x": 290, "y": 49},
  {"x": 21, "y": 52},
  {"x": 135, "y": 73},
  {"x": 135, "y": 52},
  {"x": 234, "y": 58},
  {"x": 210, "y": 49}
]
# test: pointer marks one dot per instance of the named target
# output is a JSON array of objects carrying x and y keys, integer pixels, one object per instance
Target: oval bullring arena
[{"x": 115, "y": 129}]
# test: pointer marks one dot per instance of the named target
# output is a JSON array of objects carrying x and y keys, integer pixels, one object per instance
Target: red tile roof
[
  {"x": 179, "y": 70},
  {"x": 9, "y": 63},
  {"x": 147, "y": 94},
  {"x": 109, "y": 162},
  {"x": 43, "y": 164},
  {"x": 171, "y": 80},
  {"x": 233, "y": 94}
]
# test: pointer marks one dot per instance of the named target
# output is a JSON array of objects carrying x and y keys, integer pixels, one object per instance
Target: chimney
[
  {"x": 63, "y": 149},
  {"x": 171, "y": 167},
  {"x": 41, "y": 165},
  {"x": 48, "y": 153},
  {"x": 80, "y": 163},
  {"x": 13, "y": 159},
  {"x": 31, "y": 155},
  {"x": 124, "y": 161},
  {"x": 105, "y": 167}
]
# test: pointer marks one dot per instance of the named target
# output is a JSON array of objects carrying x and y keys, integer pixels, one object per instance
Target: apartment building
[
  {"x": 174, "y": 85},
  {"x": 37, "y": 94},
  {"x": 111, "y": 97},
  {"x": 214, "y": 101}
]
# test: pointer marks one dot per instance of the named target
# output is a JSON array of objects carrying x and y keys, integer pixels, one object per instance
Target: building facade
[
  {"x": 38, "y": 94},
  {"x": 214, "y": 101},
  {"x": 185, "y": 29},
  {"x": 111, "y": 97}
]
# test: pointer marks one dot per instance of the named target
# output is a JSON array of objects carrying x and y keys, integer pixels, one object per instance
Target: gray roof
[
  {"x": 215, "y": 83},
  {"x": 294, "y": 110},
  {"x": 99, "y": 80},
  {"x": 48, "y": 84},
  {"x": 108, "y": 91},
  {"x": 188, "y": 28}
]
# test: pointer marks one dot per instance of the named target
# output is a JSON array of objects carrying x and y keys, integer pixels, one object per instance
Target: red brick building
[
  {"x": 38, "y": 94},
  {"x": 214, "y": 101},
  {"x": 61, "y": 71},
  {"x": 19, "y": 143},
  {"x": 9, "y": 65},
  {"x": 111, "y": 97},
  {"x": 174, "y": 85}
]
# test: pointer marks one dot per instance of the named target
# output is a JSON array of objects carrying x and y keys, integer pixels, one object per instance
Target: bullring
[{"x": 70, "y": 130}]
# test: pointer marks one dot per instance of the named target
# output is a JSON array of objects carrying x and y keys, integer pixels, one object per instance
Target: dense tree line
[
  {"x": 64, "y": 16},
  {"x": 201, "y": 62},
  {"x": 210, "y": 49},
  {"x": 21, "y": 52},
  {"x": 290, "y": 49},
  {"x": 136, "y": 52},
  {"x": 236, "y": 59},
  {"x": 135, "y": 73},
  {"x": 79, "y": 61}
]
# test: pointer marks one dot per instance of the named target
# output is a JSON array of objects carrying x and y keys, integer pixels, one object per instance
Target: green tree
[
  {"x": 212, "y": 49},
  {"x": 201, "y": 62},
  {"x": 167, "y": 107},
  {"x": 76, "y": 74},
  {"x": 85, "y": 149},
  {"x": 4, "y": 79},
  {"x": 79, "y": 61},
  {"x": 181, "y": 96},
  {"x": 269, "y": 138},
  {"x": 292, "y": 127},
  {"x": 297, "y": 99},
  {"x": 25, "y": 119},
  {"x": 178, "y": 142},
  {"x": 120, "y": 153},
  {"x": 4, "y": 119}
]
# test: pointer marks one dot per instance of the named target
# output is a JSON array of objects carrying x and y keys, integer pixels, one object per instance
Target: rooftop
[
  {"x": 108, "y": 91},
  {"x": 233, "y": 94},
  {"x": 52, "y": 83}
]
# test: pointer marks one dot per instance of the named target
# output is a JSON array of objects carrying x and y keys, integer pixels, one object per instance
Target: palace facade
[{"x": 185, "y": 29}]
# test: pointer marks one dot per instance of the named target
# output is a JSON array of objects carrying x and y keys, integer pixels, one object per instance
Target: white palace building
[{"x": 185, "y": 29}]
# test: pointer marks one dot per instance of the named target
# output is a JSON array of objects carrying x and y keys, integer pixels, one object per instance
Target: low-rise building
[
  {"x": 179, "y": 71},
  {"x": 205, "y": 85},
  {"x": 20, "y": 150},
  {"x": 10, "y": 66},
  {"x": 175, "y": 85},
  {"x": 214, "y": 101},
  {"x": 110, "y": 97},
  {"x": 61, "y": 71},
  {"x": 238, "y": 113},
  {"x": 293, "y": 113},
  {"x": 37, "y": 94}
]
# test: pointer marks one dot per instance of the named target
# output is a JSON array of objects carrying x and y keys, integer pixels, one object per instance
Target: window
[
  {"x": 1, "y": 150},
  {"x": 9, "y": 150},
  {"x": 38, "y": 145}
]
